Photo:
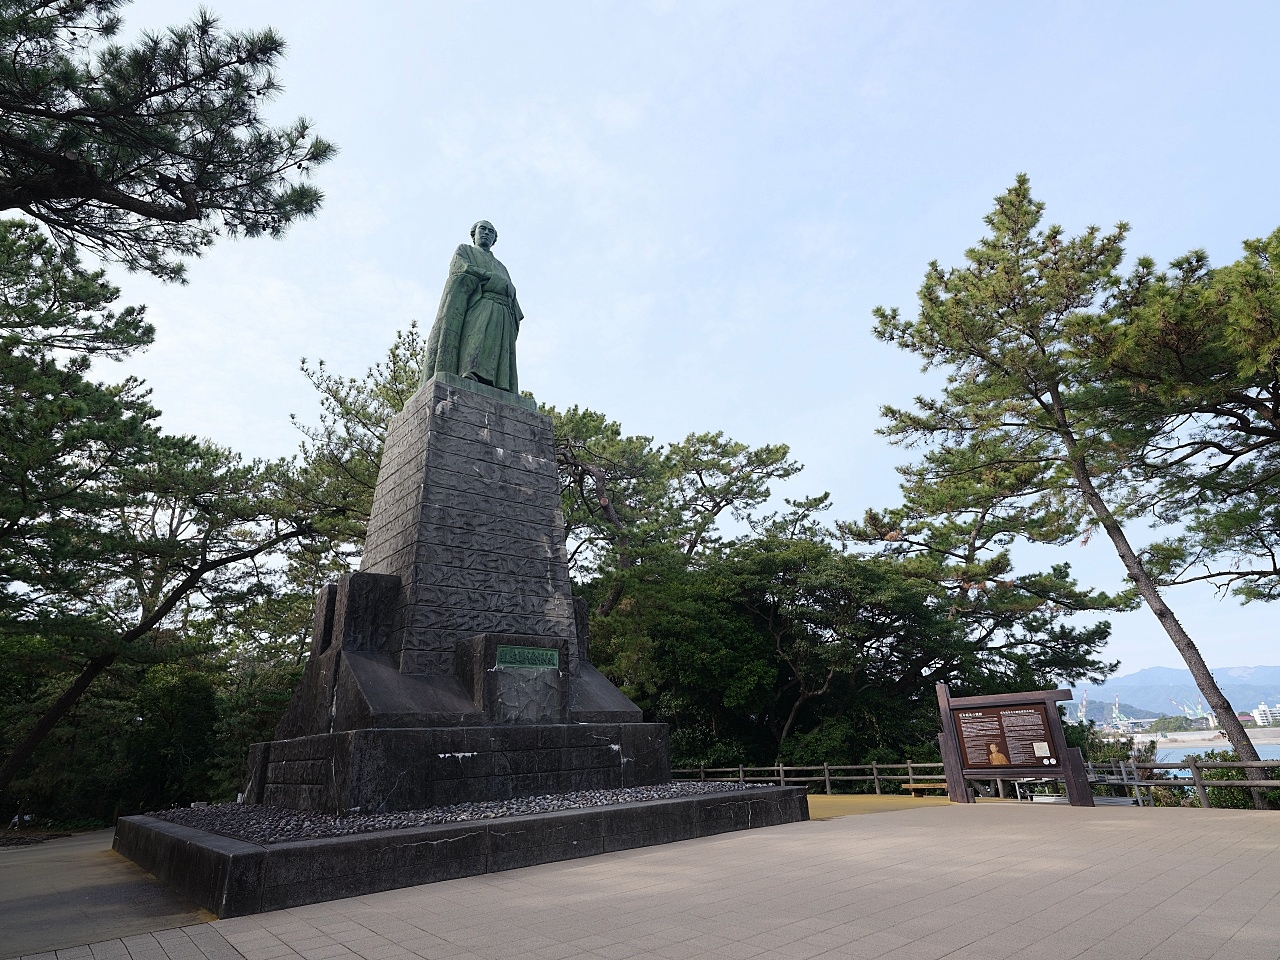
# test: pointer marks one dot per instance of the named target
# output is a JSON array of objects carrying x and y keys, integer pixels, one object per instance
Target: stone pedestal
[
  {"x": 449, "y": 668},
  {"x": 467, "y": 515}
]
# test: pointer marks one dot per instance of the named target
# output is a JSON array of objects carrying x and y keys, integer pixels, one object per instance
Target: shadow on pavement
[{"x": 77, "y": 890}]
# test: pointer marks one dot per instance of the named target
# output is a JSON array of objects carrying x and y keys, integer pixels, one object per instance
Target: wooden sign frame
[{"x": 1021, "y": 734}]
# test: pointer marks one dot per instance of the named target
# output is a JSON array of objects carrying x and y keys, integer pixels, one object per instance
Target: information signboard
[
  {"x": 1013, "y": 736},
  {"x": 1008, "y": 736}
]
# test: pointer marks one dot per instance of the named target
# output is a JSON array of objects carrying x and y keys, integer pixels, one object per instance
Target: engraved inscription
[{"x": 538, "y": 658}]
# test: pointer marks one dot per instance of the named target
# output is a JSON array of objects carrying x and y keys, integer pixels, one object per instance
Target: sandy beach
[{"x": 1209, "y": 739}]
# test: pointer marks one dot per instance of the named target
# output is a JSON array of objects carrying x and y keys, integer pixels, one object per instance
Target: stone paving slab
[
  {"x": 962, "y": 882},
  {"x": 200, "y": 942},
  {"x": 65, "y": 892}
]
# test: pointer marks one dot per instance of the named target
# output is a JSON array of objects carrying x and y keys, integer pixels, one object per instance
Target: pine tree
[
  {"x": 1022, "y": 404},
  {"x": 110, "y": 530},
  {"x": 145, "y": 154}
]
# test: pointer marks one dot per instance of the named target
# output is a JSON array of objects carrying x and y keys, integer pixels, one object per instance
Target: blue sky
[{"x": 700, "y": 204}]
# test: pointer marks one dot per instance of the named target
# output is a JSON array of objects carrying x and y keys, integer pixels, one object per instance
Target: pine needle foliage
[{"x": 145, "y": 153}]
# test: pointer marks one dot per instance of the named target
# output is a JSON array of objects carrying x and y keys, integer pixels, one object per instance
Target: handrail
[
  {"x": 929, "y": 775},
  {"x": 1210, "y": 764},
  {"x": 828, "y": 774},
  {"x": 818, "y": 766},
  {"x": 1098, "y": 774}
]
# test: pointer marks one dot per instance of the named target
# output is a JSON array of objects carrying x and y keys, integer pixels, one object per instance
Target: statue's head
[{"x": 484, "y": 234}]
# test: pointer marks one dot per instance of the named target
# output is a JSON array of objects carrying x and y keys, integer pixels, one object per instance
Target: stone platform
[
  {"x": 375, "y": 771},
  {"x": 233, "y": 878},
  {"x": 453, "y": 668}
]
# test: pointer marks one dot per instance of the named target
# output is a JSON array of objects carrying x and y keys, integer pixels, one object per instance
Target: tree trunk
[
  {"x": 13, "y": 763},
  {"x": 9, "y": 769},
  {"x": 1213, "y": 695},
  {"x": 802, "y": 697},
  {"x": 801, "y": 700},
  {"x": 612, "y": 598}
]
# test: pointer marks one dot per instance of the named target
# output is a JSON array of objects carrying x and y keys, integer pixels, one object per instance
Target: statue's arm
[
  {"x": 519, "y": 314},
  {"x": 461, "y": 289},
  {"x": 463, "y": 263}
]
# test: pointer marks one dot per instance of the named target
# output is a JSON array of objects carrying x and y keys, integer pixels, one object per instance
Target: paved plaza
[
  {"x": 989, "y": 881},
  {"x": 77, "y": 890}
]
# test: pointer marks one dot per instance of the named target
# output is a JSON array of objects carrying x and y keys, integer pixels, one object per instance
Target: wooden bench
[{"x": 918, "y": 790}]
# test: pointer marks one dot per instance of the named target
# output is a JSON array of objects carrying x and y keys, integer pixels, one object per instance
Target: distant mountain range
[
  {"x": 1103, "y": 711},
  {"x": 1156, "y": 688}
]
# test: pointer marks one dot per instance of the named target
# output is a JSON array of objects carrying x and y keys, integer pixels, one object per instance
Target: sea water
[{"x": 1176, "y": 753}]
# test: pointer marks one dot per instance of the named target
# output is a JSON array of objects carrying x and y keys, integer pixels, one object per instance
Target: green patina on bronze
[
  {"x": 475, "y": 332},
  {"x": 535, "y": 658}
]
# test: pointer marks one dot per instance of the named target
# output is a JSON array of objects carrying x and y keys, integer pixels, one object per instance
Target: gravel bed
[{"x": 262, "y": 824}]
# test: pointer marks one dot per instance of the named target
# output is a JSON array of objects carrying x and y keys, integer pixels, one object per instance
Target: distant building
[{"x": 1266, "y": 716}]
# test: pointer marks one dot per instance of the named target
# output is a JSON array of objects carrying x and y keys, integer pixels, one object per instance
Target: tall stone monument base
[
  {"x": 454, "y": 666},
  {"x": 414, "y": 768}
]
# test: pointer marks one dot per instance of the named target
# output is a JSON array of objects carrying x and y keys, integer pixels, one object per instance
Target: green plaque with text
[{"x": 529, "y": 658}]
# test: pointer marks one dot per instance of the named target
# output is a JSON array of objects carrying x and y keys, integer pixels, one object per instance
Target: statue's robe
[{"x": 478, "y": 321}]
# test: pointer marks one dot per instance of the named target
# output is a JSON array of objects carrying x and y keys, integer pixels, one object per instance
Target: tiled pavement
[
  {"x": 198, "y": 942},
  {"x": 989, "y": 881},
  {"x": 77, "y": 890}
]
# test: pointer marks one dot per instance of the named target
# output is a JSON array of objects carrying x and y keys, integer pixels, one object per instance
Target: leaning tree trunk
[
  {"x": 59, "y": 709},
  {"x": 1150, "y": 592}
]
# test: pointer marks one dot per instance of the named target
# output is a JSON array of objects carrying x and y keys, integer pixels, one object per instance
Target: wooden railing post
[
  {"x": 1200, "y": 790},
  {"x": 702, "y": 772},
  {"x": 875, "y": 775},
  {"x": 826, "y": 775},
  {"x": 782, "y": 779},
  {"x": 742, "y": 775},
  {"x": 911, "y": 774}
]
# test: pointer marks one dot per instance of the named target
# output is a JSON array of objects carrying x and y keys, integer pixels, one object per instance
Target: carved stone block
[
  {"x": 467, "y": 484},
  {"x": 515, "y": 679}
]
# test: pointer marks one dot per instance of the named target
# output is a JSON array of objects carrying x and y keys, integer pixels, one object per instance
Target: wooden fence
[
  {"x": 1114, "y": 773},
  {"x": 1123, "y": 774},
  {"x": 922, "y": 776}
]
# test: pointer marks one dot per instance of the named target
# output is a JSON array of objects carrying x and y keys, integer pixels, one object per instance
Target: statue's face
[{"x": 486, "y": 236}]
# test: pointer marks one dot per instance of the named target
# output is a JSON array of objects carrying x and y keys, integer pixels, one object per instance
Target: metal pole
[{"x": 826, "y": 775}]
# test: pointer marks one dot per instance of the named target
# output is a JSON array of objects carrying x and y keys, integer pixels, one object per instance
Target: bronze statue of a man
[{"x": 479, "y": 317}]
